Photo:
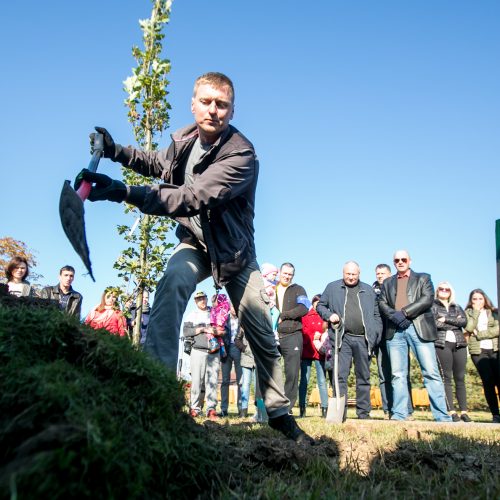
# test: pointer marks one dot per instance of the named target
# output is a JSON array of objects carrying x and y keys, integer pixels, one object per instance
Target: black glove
[
  {"x": 108, "y": 143},
  {"x": 104, "y": 187},
  {"x": 400, "y": 320}
]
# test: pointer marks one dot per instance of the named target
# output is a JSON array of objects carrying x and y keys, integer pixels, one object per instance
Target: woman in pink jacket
[{"x": 107, "y": 315}]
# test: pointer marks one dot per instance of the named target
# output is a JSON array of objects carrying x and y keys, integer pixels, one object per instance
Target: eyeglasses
[
  {"x": 444, "y": 289},
  {"x": 404, "y": 259}
]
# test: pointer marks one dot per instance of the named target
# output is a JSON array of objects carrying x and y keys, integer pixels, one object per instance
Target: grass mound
[{"x": 83, "y": 414}]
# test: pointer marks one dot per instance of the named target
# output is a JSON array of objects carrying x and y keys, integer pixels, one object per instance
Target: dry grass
[{"x": 369, "y": 459}]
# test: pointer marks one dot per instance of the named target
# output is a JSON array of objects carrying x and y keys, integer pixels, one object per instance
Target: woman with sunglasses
[
  {"x": 482, "y": 326},
  {"x": 16, "y": 272},
  {"x": 451, "y": 348}
]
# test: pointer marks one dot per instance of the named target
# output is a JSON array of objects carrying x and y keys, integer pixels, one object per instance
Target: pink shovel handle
[
  {"x": 85, "y": 187},
  {"x": 84, "y": 190}
]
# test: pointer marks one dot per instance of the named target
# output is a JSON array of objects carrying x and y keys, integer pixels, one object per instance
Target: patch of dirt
[
  {"x": 357, "y": 454},
  {"x": 273, "y": 453}
]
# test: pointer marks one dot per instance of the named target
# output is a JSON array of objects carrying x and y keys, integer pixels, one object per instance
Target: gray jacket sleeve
[{"x": 221, "y": 181}]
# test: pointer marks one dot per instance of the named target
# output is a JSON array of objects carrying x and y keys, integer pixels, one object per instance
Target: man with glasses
[
  {"x": 382, "y": 272},
  {"x": 406, "y": 305}
]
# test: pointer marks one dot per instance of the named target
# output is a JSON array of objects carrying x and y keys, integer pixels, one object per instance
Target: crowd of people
[{"x": 385, "y": 320}]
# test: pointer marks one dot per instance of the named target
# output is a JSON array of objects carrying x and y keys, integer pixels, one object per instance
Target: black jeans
[
  {"x": 354, "y": 348},
  {"x": 291, "y": 350},
  {"x": 452, "y": 363},
  {"x": 487, "y": 366}
]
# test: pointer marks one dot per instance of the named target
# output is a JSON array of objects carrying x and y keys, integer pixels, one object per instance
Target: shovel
[
  {"x": 336, "y": 405},
  {"x": 71, "y": 208}
]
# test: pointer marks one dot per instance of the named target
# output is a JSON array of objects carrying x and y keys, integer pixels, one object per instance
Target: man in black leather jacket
[
  {"x": 68, "y": 299},
  {"x": 406, "y": 305}
]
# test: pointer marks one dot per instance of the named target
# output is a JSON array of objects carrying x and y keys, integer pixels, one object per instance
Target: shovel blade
[
  {"x": 335, "y": 413},
  {"x": 73, "y": 222}
]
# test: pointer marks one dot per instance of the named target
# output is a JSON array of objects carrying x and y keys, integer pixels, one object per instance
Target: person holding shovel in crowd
[
  {"x": 350, "y": 306},
  {"x": 209, "y": 176}
]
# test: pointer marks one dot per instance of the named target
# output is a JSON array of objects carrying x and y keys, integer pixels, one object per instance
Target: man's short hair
[
  {"x": 287, "y": 264},
  {"x": 67, "y": 268},
  {"x": 217, "y": 80},
  {"x": 384, "y": 266}
]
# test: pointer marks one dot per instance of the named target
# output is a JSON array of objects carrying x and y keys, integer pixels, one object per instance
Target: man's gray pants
[
  {"x": 187, "y": 267},
  {"x": 204, "y": 374}
]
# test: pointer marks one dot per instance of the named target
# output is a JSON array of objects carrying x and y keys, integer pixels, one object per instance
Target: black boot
[
  {"x": 286, "y": 424},
  {"x": 302, "y": 410},
  {"x": 324, "y": 411},
  {"x": 243, "y": 413}
]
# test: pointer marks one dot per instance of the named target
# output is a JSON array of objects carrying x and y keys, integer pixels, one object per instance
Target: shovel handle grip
[
  {"x": 84, "y": 190},
  {"x": 85, "y": 187}
]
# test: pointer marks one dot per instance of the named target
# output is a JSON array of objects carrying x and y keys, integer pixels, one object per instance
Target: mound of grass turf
[{"x": 82, "y": 414}]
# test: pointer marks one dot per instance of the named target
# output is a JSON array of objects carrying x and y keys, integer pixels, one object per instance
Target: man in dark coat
[
  {"x": 209, "y": 177},
  {"x": 292, "y": 303},
  {"x": 351, "y": 306}
]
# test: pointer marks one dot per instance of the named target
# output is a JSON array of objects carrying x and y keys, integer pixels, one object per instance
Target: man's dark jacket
[
  {"x": 420, "y": 293},
  {"x": 74, "y": 303},
  {"x": 333, "y": 300},
  {"x": 292, "y": 309},
  {"x": 223, "y": 194}
]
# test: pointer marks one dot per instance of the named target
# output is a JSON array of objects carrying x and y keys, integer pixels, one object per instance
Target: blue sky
[{"x": 376, "y": 124}]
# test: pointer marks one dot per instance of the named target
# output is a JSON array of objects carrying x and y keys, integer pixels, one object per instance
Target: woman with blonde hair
[
  {"x": 107, "y": 314},
  {"x": 482, "y": 325},
  {"x": 16, "y": 272},
  {"x": 451, "y": 347}
]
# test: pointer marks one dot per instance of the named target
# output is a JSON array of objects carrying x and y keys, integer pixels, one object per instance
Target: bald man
[
  {"x": 405, "y": 303},
  {"x": 351, "y": 306}
]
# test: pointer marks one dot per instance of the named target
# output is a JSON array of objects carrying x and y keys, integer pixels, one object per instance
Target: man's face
[
  {"x": 351, "y": 274},
  {"x": 201, "y": 302},
  {"x": 66, "y": 278},
  {"x": 286, "y": 275},
  {"x": 402, "y": 261},
  {"x": 212, "y": 109},
  {"x": 382, "y": 273}
]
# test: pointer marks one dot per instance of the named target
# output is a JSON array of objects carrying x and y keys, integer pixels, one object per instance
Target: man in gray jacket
[
  {"x": 351, "y": 306},
  {"x": 204, "y": 362},
  {"x": 209, "y": 176}
]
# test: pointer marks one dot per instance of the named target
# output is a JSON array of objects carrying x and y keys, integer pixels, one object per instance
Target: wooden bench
[{"x": 420, "y": 398}]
